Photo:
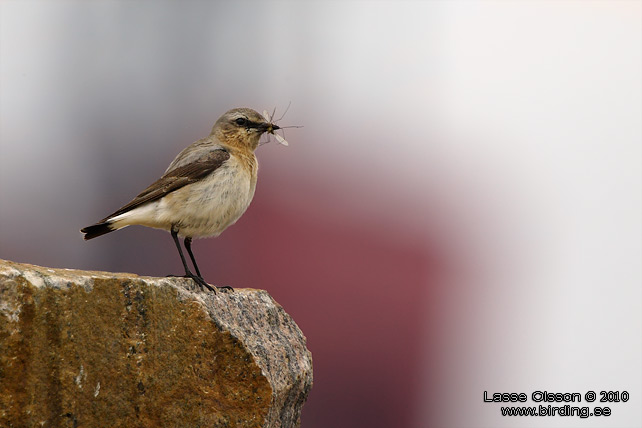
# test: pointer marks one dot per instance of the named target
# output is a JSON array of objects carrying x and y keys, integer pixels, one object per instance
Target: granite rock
[{"x": 84, "y": 349}]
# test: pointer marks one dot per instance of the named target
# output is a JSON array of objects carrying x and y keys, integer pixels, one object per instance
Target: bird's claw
[
  {"x": 201, "y": 282},
  {"x": 198, "y": 280}
]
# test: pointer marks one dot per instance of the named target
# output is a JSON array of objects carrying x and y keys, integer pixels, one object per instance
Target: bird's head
[{"x": 242, "y": 127}]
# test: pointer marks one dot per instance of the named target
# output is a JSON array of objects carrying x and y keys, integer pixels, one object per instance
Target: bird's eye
[{"x": 241, "y": 121}]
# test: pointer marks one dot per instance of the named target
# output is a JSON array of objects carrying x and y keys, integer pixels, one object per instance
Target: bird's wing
[{"x": 177, "y": 178}]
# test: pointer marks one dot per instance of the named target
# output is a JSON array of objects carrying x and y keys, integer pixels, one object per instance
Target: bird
[{"x": 205, "y": 189}]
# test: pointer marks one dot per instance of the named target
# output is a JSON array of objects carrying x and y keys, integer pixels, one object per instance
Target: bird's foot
[
  {"x": 201, "y": 282},
  {"x": 197, "y": 279}
]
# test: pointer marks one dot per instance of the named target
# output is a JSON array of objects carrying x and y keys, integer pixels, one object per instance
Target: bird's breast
[{"x": 209, "y": 206}]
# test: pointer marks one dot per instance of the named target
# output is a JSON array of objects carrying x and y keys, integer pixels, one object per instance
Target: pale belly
[{"x": 201, "y": 209}]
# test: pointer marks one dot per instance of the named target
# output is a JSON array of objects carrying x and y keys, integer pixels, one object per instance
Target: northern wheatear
[{"x": 205, "y": 189}]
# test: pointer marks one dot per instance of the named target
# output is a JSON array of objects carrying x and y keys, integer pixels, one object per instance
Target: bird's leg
[
  {"x": 180, "y": 253},
  {"x": 197, "y": 279},
  {"x": 188, "y": 247}
]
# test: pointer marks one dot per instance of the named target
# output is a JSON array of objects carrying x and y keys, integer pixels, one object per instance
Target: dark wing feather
[{"x": 175, "y": 179}]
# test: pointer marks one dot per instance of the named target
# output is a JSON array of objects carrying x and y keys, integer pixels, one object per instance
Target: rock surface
[{"x": 84, "y": 349}]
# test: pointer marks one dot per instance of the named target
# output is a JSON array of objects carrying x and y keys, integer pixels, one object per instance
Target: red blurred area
[{"x": 360, "y": 295}]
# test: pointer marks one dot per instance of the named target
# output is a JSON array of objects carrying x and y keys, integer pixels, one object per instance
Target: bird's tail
[{"x": 98, "y": 229}]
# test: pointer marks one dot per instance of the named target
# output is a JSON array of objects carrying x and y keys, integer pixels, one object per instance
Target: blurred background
[{"x": 460, "y": 213}]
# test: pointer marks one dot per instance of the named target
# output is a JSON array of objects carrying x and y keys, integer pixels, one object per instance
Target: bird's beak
[{"x": 268, "y": 127}]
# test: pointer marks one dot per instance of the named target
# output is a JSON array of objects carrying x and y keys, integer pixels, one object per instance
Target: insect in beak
[{"x": 272, "y": 128}]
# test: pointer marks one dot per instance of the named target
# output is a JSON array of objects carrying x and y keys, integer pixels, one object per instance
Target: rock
[{"x": 84, "y": 349}]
